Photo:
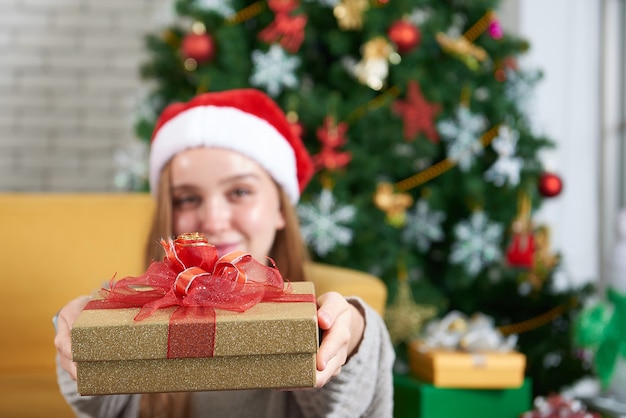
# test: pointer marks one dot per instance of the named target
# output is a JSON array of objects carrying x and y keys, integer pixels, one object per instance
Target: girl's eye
[
  {"x": 186, "y": 202},
  {"x": 239, "y": 192}
]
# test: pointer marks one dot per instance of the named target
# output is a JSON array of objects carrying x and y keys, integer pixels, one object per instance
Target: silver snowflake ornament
[
  {"x": 131, "y": 166},
  {"x": 507, "y": 167},
  {"x": 323, "y": 223},
  {"x": 274, "y": 70},
  {"x": 327, "y": 3},
  {"x": 477, "y": 243},
  {"x": 423, "y": 226},
  {"x": 463, "y": 136},
  {"x": 519, "y": 85},
  {"x": 221, "y": 7}
]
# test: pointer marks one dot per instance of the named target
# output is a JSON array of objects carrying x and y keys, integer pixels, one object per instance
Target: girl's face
[{"x": 228, "y": 197}]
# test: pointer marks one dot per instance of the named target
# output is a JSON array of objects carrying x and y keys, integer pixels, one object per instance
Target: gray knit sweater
[{"x": 363, "y": 389}]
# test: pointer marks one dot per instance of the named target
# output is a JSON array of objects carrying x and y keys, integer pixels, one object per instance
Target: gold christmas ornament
[
  {"x": 393, "y": 204},
  {"x": 463, "y": 49},
  {"x": 544, "y": 260},
  {"x": 373, "y": 68},
  {"x": 349, "y": 13},
  {"x": 404, "y": 317},
  {"x": 170, "y": 38}
]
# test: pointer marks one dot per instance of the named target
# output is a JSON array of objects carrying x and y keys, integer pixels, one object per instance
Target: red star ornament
[{"x": 417, "y": 114}]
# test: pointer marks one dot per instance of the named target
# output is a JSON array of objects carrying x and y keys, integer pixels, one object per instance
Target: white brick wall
[{"x": 68, "y": 82}]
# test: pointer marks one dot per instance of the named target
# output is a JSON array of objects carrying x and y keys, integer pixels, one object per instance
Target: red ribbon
[{"x": 192, "y": 277}]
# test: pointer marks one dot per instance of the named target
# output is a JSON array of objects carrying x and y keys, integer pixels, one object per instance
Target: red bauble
[
  {"x": 550, "y": 185},
  {"x": 521, "y": 251},
  {"x": 198, "y": 46},
  {"x": 404, "y": 35}
]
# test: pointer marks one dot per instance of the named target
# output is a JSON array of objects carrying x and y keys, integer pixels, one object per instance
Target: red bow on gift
[{"x": 191, "y": 274}]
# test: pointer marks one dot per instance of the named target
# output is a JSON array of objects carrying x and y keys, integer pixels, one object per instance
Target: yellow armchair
[{"x": 59, "y": 246}]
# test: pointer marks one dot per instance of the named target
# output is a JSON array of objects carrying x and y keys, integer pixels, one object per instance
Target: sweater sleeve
[
  {"x": 108, "y": 406},
  {"x": 364, "y": 388}
]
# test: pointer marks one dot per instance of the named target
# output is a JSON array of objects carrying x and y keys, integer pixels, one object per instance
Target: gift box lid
[
  {"x": 455, "y": 368},
  {"x": 266, "y": 328}
]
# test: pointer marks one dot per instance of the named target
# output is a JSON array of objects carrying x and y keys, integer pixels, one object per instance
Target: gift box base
[
  {"x": 416, "y": 399},
  {"x": 197, "y": 374}
]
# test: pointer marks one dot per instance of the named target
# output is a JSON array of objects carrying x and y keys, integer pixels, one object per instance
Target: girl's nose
[{"x": 214, "y": 216}]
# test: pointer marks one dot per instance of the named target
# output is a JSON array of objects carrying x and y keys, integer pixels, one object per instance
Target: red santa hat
[{"x": 242, "y": 120}]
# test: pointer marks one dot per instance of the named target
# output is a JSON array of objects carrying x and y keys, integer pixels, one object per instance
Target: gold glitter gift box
[
  {"x": 457, "y": 369},
  {"x": 271, "y": 345}
]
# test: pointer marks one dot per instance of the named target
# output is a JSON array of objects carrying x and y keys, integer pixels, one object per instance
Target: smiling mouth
[{"x": 223, "y": 249}]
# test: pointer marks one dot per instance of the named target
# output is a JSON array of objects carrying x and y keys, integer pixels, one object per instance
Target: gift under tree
[{"x": 427, "y": 171}]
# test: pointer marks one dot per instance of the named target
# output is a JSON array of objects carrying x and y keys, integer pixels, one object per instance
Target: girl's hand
[
  {"x": 63, "y": 341},
  {"x": 342, "y": 325}
]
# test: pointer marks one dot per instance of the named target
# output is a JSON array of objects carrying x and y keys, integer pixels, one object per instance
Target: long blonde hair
[{"x": 288, "y": 252}]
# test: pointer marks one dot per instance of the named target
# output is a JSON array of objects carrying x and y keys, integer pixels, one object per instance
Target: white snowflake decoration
[
  {"x": 477, "y": 243},
  {"x": 327, "y": 3},
  {"x": 221, "y": 7},
  {"x": 456, "y": 29},
  {"x": 519, "y": 85},
  {"x": 507, "y": 167},
  {"x": 423, "y": 226},
  {"x": 463, "y": 136},
  {"x": 145, "y": 106},
  {"x": 322, "y": 223},
  {"x": 419, "y": 16},
  {"x": 131, "y": 166},
  {"x": 274, "y": 69}
]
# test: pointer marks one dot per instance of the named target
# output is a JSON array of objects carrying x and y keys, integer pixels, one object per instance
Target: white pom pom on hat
[{"x": 243, "y": 120}]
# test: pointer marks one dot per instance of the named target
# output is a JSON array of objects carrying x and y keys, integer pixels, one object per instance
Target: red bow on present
[{"x": 192, "y": 275}]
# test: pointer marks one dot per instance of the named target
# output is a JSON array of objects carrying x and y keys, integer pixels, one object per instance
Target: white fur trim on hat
[{"x": 229, "y": 128}]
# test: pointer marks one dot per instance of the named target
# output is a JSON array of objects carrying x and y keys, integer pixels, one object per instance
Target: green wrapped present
[{"x": 416, "y": 399}]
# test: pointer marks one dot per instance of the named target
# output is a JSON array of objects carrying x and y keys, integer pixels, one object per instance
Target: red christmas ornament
[
  {"x": 286, "y": 29},
  {"x": 404, "y": 35},
  {"x": 198, "y": 46},
  {"x": 332, "y": 135},
  {"x": 521, "y": 250},
  {"x": 550, "y": 185},
  {"x": 417, "y": 114}
]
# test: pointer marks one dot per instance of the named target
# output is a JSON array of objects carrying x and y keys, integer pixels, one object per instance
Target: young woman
[{"x": 228, "y": 165}]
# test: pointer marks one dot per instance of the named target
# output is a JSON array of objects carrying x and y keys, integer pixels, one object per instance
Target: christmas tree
[{"x": 428, "y": 173}]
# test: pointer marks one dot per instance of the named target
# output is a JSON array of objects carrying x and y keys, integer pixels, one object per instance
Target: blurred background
[{"x": 70, "y": 91}]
